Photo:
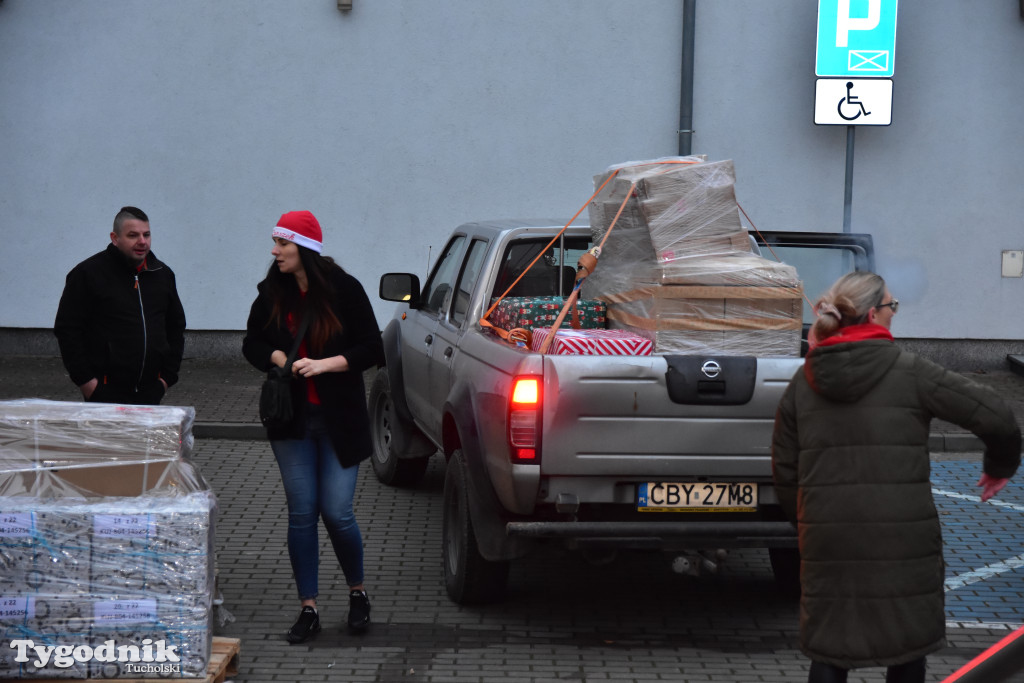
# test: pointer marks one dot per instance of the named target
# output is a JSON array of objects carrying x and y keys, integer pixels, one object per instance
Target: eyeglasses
[{"x": 894, "y": 305}]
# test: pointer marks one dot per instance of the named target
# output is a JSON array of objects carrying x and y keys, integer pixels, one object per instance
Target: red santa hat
[{"x": 302, "y": 228}]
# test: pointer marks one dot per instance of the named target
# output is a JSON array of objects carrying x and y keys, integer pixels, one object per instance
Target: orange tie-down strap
[
  {"x": 754, "y": 228},
  {"x": 522, "y": 336}
]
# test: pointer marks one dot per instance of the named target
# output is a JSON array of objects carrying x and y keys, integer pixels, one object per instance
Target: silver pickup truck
[{"x": 591, "y": 452}]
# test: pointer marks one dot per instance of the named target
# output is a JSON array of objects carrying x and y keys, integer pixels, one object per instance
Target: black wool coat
[
  {"x": 851, "y": 467},
  {"x": 342, "y": 394},
  {"x": 123, "y": 327}
]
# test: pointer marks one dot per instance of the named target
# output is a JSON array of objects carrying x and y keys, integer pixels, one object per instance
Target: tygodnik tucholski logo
[{"x": 153, "y": 657}]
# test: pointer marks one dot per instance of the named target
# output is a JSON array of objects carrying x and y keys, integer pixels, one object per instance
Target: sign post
[{"x": 854, "y": 60}]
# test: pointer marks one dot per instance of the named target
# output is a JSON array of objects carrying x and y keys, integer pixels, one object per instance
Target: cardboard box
[
  {"x": 713, "y": 319},
  {"x": 59, "y": 434},
  {"x": 106, "y": 533}
]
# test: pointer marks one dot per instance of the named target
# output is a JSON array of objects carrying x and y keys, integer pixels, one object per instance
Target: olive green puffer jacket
[{"x": 851, "y": 467}]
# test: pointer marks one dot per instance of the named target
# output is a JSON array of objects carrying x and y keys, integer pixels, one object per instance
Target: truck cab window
[
  {"x": 552, "y": 275},
  {"x": 437, "y": 291},
  {"x": 467, "y": 282}
]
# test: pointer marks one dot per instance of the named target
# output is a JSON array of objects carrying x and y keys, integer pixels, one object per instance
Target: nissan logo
[{"x": 711, "y": 369}]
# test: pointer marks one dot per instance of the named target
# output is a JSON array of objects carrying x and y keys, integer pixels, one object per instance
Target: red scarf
[{"x": 854, "y": 333}]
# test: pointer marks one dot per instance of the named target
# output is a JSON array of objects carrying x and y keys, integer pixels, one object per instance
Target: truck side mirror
[{"x": 401, "y": 287}]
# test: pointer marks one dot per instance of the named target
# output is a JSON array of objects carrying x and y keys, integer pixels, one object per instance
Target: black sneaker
[
  {"x": 358, "y": 611},
  {"x": 306, "y": 627}
]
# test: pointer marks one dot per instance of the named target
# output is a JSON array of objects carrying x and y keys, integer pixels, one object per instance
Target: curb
[
  {"x": 953, "y": 442},
  {"x": 237, "y": 431}
]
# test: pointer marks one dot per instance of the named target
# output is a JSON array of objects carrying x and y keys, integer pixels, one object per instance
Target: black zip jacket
[
  {"x": 123, "y": 327},
  {"x": 342, "y": 394}
]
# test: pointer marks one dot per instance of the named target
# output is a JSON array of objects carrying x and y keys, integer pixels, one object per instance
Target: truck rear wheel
[
  {"x": 468, "y": 577},
  {"x": 392, "y": 439},
  {"x": 786, "y": 568}
]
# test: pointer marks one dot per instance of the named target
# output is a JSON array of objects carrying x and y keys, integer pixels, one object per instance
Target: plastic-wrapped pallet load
[
  {"x": 106, "y": 543},
  {"x": 680, "y": 270}
]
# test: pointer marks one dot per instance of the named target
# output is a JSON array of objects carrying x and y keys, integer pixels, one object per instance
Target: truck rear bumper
[{"x": 665, "y": 535}]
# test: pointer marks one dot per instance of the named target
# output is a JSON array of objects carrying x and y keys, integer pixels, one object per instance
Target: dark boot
[
  {"x": 826, "y": 673},
  {"x": 358, "y": 611},
  {"x": 307, "y": 626},
  {"x": 911, "y": 672}
]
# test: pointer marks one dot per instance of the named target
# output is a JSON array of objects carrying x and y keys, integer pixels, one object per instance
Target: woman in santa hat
[{"x": 319, "y": 452}]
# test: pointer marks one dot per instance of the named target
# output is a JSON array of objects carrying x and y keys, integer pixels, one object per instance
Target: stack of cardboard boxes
[
  {"x": 678, "y": 268},
  {"x": 106, "y": 542}
]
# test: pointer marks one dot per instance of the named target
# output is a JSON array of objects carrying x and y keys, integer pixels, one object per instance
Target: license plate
[{"x": 661, "y": 496}]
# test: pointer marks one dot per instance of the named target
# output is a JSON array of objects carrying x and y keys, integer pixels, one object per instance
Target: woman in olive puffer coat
[{"x": 851, "y": 467}]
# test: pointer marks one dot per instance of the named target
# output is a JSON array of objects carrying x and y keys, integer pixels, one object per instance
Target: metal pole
[
  {"x": 848, "y": 188},
  {"x": 686, "y": 80}
]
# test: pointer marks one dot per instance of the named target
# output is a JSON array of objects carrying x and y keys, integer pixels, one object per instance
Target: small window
[
  {"x": 470, "y": 274},
  {"x": 818, "y": 268},
  {"x": 553, "y": 274},
  {"x": 437, "y": 292}
]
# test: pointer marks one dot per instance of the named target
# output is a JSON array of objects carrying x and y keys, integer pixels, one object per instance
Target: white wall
[
  {"x": 940, "y": 189},
  {"x": 392, "y": 123},
  {"x": 399, "y": 120}
]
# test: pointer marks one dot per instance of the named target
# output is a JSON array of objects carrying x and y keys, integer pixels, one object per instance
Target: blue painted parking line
[{"x": 984, "y": 548}]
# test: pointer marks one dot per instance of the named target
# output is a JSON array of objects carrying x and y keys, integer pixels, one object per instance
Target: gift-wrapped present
[
  {"x": 541, "y": 311},
  {"x": 570, "y": 342}
]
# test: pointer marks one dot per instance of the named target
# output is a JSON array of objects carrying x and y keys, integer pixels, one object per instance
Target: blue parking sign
[{"x": 856, "y": 38}]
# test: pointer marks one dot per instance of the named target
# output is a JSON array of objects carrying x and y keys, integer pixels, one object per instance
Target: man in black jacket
[{"x": 120, "y": 324}]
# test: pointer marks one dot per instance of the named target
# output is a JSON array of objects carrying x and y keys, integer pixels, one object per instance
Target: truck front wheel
[
  {"x": 392, "y": 439},
  {"x": 468, "y": 577}
]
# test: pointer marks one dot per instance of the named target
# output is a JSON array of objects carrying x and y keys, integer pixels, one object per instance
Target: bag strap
[{"x": 303, "y": 326}]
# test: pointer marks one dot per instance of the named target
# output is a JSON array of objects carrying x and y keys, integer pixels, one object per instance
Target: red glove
[{"x": 993, "y": 485}]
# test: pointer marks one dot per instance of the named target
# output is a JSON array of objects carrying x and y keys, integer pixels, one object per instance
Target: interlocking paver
[{"x": 564, "y": 620}]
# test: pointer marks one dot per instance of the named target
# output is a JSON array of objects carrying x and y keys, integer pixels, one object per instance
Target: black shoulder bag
[{"x": 276, "y": 394}]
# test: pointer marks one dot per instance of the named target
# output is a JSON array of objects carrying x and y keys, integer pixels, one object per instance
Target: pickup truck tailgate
[{"x": 613, "y": 416}]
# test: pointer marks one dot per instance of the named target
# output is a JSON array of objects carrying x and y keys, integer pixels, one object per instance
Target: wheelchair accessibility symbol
[
  {"x": 853, "y": 101},
  {"x": 852, "y": 105}
]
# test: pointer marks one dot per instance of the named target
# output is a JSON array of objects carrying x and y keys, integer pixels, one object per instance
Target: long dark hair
[{"x": 285, "y": 297}]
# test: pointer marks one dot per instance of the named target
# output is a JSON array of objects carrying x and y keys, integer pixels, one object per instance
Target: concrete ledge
[
  {"x": 962, "y": 355},
  {"x": 954, "y": 442},
  {"x": 1016, "y": 362},
  {"x": 237, "y": 431},
  {"x": 965, "y": 355},
  {"x": 938, "y": 442}
]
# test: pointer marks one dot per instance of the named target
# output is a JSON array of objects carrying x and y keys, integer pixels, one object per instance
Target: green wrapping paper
[{"x": 541, "y": 311}]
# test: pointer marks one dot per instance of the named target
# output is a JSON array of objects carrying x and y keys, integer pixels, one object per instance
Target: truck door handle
[
  {"x": 448, "y": 352},
  {"x": 429, "y": 339}
]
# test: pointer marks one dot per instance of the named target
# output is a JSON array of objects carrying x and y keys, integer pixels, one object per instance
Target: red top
[{"x": 293, "y": 327}]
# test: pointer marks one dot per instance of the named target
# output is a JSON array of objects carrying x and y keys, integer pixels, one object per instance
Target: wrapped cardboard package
[
  {"x": 106, "y": 536},
  {"x": 681, "y": 272}
]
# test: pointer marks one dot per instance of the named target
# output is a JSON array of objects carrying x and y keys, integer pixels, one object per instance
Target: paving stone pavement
[{"x": 564, "y": 619}]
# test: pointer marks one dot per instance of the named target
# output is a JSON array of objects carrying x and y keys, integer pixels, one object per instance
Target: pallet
[
  {"x": 223, "y": 663},
  {"x": 223, "y": 659}
]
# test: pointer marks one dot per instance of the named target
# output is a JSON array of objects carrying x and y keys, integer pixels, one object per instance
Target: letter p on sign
[{"x": 845, "y": 23}]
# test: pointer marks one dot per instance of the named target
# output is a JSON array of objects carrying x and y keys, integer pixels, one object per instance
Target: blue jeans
[{"x": 316, "y": 485}]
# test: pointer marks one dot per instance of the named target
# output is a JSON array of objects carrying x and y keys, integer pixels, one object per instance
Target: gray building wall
[{"x": 400, "y": 119}]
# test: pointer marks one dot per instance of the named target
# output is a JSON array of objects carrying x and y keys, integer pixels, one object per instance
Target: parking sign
[{"x": 856, "y": 38}]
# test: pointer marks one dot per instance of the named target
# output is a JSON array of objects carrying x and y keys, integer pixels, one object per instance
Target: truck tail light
[{"x": 524, "y": 412}]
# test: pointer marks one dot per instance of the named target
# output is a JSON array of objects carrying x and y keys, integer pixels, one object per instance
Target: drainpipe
[{"x": 685, "y": 131}]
